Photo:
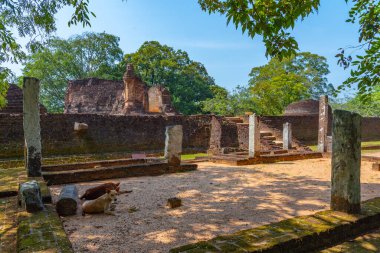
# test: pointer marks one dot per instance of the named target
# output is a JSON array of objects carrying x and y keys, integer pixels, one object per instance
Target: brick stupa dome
[{"x": 303, "y": 107}]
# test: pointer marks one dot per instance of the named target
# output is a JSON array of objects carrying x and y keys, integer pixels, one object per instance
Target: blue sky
[{"x": 227, "y": 54}]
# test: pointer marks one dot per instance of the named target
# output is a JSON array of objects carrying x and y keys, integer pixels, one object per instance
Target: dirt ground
[{"x": 216, "y": 200}]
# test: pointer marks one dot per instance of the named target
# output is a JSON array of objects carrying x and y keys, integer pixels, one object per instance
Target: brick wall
[
  {"x": 104, "y": 134},
  {"x": 147, "y": 133},
  {"x": 371, "y": 129},
  {"x": 305, "y": 128}
]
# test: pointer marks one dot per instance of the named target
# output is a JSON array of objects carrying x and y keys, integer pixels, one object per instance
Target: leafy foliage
[
  {"x": 229, "y": 104},
  {"x": 355, "y": 104},
  {"x": 274, "y": 86},
  {"x": 279, "y": 83},
  {"x": 34, "y": 20},
  {"x": 272, "y": 19},
  {"x": 187, "y": 80},
  {"x": 79, "y": 57},
  {"x": 366, "y": 67}
]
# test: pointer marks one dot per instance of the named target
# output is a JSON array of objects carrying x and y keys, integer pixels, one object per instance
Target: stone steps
[{"x": 234, "y": 119}]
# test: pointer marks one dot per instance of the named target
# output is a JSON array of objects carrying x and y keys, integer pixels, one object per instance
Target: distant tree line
[{"x": 271, "y": 87}]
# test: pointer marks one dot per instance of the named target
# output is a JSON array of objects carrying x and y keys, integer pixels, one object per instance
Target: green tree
[
  {"x": 79, "y": 57},
  {"x": 273, "y": 20},
  {"x": 281, "y": 82},
  {"x": 355, "y": 104},
  {"x": 187, "y": 80},
  {"x": 229, "y": 104},
  {"x": 34, "y": 20}
]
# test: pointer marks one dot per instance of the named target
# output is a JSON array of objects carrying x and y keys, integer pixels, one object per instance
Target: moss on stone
[
  {"x": 8, "y": 224},
  {"x": 42, "y": 232},
  {"x": 300, "y": 230}
]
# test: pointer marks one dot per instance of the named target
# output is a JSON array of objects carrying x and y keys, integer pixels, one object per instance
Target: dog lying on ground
[
  {"x": 101, "y": 204},
  {"x": 100, "y": 190}
]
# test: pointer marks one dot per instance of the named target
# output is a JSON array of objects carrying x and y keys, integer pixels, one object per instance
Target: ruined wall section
[
  {"x": 15, "y": 101},
  {"x": 94, "y": 95},
  {"x": 160, "y": 101},
  {"x": 105, "y": 133}
]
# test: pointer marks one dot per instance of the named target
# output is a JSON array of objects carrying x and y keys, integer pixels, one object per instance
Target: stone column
[
  {"x": 173, "y": 144},
  {"x": 323, "y": 123},
  {"x": 287, "y": 136},
  {"x": 254, "y": 136},
  {"x": 32, "y": 129},
  {"x": 345, "y": 162}
]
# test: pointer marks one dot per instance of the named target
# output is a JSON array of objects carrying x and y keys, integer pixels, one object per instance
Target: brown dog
[{"x": 100, "y": 190}]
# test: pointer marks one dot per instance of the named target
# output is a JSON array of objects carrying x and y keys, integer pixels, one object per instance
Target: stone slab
[
  {"x": 239, "y": 161},
  {"x": 295, "y": 235},
  {"x": 94, "y": 164},
  {"x": 135, "y": 170}
]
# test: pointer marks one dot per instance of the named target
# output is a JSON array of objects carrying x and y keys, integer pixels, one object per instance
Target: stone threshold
[
  {"x": 374, "y": 147},
  {"x": 102, "y": 173},
  {"x": 369, "y": 158},
  {"x": 94, "y": 164},
  {"x": 242, "y": 161},
  {"x": 295, "y": 235}
]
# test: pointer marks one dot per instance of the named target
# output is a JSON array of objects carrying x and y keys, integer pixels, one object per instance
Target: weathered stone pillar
[
  {"x": 30, "y": 194},
  {"x": 323, "y": 123},
  {"x": 345, "y": 163},
  {"x": 254, "y": 136},
  {"x": 287, "y": 136},
  {"x": 32, "y": 129},
  {"x": 173, "y": 144}
]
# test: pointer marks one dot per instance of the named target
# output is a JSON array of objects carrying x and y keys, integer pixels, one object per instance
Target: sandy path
[{"x": 216, "y": 200}]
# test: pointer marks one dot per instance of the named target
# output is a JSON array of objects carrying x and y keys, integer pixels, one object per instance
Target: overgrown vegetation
[{"x": 187, "y": 80}]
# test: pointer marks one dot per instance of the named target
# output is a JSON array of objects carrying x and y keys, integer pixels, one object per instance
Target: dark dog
[{"x": 100, "y": 190}]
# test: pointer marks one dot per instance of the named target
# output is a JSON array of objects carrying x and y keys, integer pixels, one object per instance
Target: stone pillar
[
  {"x": 287, "y": 136},
  {"x": 173, "y": 144},
  {"x": 254, "y": 136},
  {"x": 345, "y": 162},
  {"x": 323, "y": 123},
  {"x": 32, "y": 129}
]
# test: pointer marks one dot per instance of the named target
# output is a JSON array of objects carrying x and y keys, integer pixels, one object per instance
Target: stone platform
[
  {"x": 96, "y": 164},
  {"x": 300, "y": 234},
  {"x": 239, "y": 159},
  {"x": 101, "y": 173}
]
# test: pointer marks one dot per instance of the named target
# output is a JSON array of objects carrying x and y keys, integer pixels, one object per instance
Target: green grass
[
  {"x": 364, "y": 144},
  {"x": 370, "y": 143},
  {"x": 192, "y": 156},
  {"x": 314, "y": 148},
  {"x": 370, "y": 151}
]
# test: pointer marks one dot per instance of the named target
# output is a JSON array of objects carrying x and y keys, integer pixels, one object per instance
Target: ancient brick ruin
[
  {"x": 14, "y": 101},
  {"x": 128, "y": 97}
]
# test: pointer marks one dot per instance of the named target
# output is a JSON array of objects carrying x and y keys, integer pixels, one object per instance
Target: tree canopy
[
  {"x": 187, "y": 80},
  {"x": 79, "y": 57},
  {"x": 281, "y": 82},
  {"x": 227, "y": 103},
  {"x": 274, "y": 86},
  {"x": 354, "y": 104},
  {"x": 274, "y": 20}
]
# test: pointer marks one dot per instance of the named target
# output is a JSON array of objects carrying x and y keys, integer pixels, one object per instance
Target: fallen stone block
[
  {"x": 67, "y": 201},
  {"x": 31, "y": 196},
  {"x": 174, "y": 202},
  {"x": 80, "y": 127},
  {"x": 376, "y": 166}
]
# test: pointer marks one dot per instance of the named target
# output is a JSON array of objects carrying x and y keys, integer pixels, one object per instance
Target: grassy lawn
[
  {"x": 9, "y": 178},
  {"x": 192, "y": 156},
  {"x": 370, "y": 143},
  {"x": 364, "y": 144},
  {"x": 370, "y": 151}
]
